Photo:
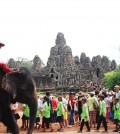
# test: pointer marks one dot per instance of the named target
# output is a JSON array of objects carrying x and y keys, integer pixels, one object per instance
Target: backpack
[{"x": 95, "y": 105}]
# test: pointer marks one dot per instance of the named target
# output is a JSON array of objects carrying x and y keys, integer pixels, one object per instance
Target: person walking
[
  {"x": 84, "y": 116},
  {"x": 102, "y": 114},
  {"x": 46, "y": 114},
  {"x": 116, "y": 109}
]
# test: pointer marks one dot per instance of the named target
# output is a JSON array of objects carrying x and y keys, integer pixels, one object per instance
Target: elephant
[{"x": 17, "y": 86}]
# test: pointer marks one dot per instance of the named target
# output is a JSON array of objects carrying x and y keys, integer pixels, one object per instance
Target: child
[
  {"x": 46, "y": 113},
  {"x": 116, "y": 109},
  {"x": 65, "y": 114},
  {"x": 37, "y": 119},
  {"x": 102, "y": 114},
  {"x": 25, "y": 117},
  {"x": 14, "y": 108},
  {"x": 60, "y": 114},
  {"x": 84, "y": 116}
]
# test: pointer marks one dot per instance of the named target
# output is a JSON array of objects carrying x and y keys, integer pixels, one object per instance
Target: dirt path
[{"x": 72, "y": 130}]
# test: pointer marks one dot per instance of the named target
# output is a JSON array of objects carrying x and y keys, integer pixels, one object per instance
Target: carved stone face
[
  {"x": 69, "y": 59},
  {"x": 60, "y": 40}
]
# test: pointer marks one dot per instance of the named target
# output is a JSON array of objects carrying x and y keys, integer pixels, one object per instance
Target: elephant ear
[{"x": 11, "y": 82}]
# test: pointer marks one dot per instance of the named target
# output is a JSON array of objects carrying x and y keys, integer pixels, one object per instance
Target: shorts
[
  {"x": 76, "y": 112},
  {"x": 46, "y": 120},
  {"x": 116, "y": 121},
  {"x": 37, "y": 119},
  {"x": 65, "y": 115},
  {"x": 60, "y": 119},
  {"x": 25, "y": 117}
]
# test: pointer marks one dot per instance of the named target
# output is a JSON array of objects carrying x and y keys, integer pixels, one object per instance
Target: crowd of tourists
[{"x": 89, "y": 109}]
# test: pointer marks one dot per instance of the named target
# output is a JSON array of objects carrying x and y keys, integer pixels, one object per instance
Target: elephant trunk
[{"x": 33, "y": 109}]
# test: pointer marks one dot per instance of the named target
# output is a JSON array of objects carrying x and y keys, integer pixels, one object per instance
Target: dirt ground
[{"x": 72, "y": 130}]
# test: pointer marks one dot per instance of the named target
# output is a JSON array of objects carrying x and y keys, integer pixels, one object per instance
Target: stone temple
[{"x": 65, "y": 70}]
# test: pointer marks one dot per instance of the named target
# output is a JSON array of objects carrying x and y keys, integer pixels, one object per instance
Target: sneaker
[
  {"x": 69, "y": 126},
  {"x": 65, "y": 126}
]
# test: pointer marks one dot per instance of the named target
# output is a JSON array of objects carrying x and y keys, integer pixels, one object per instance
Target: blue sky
[{"x": 29, "y": 27}]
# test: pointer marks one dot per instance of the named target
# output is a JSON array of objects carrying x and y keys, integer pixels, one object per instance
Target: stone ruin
[
  {"x": 72, "y": 71},
  {"x": 65, "y": 70}
]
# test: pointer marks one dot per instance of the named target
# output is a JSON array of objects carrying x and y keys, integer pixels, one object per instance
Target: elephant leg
[{"x": 9, "y": 121}]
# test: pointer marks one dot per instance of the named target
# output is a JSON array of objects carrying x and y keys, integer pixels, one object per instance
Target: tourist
[
  {"x": 117, "y": 92},
  {"x": 102, "y": 114},
  {"x": 84, "y": 116},
  {"x": 107, "y": 101},
  {"x": 93, "y": 105},
  {"x": 69, "y": 108},
  {"x": 46, "y": 114},
  {"x": 41, "y": 105},
  {"x": 14, "y": 108},
  {"x": 80, "y": 105},
  {"x": 65, "y": 111},
  {"x": 25, "y": 117},
  {"x": 116, "y": 108},
  {"x": 72, "y": 101},
  {"x": 51, "y": 110},
  {"x": 76, "y": 110},
  {"x": 60, "y": 114},
  {"x": 54, "y": 107},
  {"x": 37, "y": 120}
]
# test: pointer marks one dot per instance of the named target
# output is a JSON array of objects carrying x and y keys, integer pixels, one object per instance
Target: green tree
[
  {"x": 25, "y": 62},
  {"x": 112, "y": 78}
]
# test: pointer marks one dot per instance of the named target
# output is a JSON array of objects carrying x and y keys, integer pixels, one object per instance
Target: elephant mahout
[{"x": 16, "y": 86}]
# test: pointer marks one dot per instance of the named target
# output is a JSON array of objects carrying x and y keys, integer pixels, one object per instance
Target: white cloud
[{"x": 30, "y": 27}]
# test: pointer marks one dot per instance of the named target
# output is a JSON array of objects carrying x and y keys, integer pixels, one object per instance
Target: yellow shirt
[{"x": 92, "y": 100}]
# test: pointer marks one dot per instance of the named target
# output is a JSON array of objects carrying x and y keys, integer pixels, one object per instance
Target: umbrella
[{"x": 1, "y": 45}]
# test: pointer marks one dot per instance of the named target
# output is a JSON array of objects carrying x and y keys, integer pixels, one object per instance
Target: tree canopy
[{"x": 112, "y": 78}]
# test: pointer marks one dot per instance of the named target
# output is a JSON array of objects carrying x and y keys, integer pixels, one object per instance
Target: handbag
[{"x": 95, "y": 105}]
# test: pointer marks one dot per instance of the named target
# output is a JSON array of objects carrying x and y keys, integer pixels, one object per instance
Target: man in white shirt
[{"x": 117, "y": 92}]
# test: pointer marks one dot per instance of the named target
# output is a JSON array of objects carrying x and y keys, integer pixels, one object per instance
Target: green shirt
[
  {"x": 60, "y": 109},
  {"x": 26, "y": 111},
  {"x": 116, "y": 108},
  {"x": 102, "y": 108},
  {"x": 85, "y": 112},
  {"x": 46, "y": 110},
  {"x": 38, "y": 112}
]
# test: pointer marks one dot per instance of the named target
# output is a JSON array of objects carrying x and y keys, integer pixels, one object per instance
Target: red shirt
[
  {"x": 72, "y": 99},
  {"x": 5, "y": 68},
  {"x": 54, "y": 104}
]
